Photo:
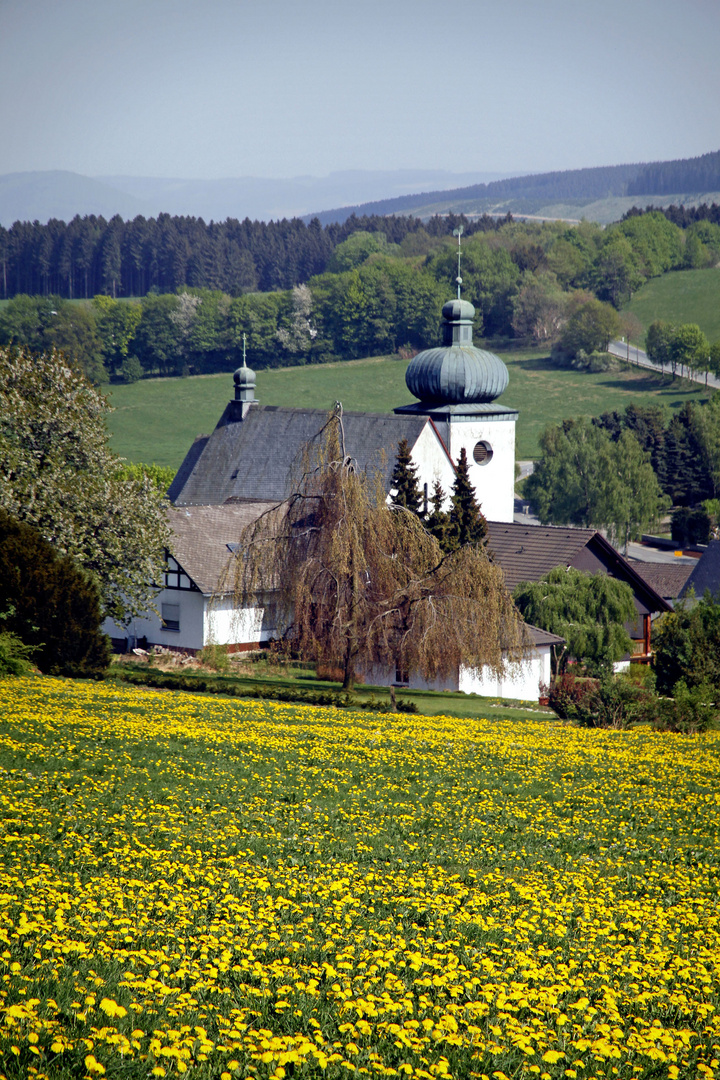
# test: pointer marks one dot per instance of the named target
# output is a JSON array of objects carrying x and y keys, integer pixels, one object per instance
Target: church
[{"x": 228, "y": 478}]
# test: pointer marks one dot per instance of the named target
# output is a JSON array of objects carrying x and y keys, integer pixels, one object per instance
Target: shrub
[
  {"x": 215, "y": 657},
  {"x": 566, "y": 692},
  {"x": 690, "y": 526},
  {"x": 689, "y": 710},
  {"x": 14, "y": 655},
  {"x": 614, "y": 702},
  {"x": 50, "y": 604}
]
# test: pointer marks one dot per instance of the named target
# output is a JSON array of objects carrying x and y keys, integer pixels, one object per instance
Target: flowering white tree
[{"x": 58, "y": 474}]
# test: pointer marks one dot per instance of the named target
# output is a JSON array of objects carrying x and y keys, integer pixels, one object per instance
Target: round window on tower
[{"x": 482, "y": 452}]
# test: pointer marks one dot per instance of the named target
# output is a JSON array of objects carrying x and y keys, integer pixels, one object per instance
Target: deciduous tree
[
  {"x": 588, "y": 610},
  {"x": 585, "y": 478},
  {"x": 58, "y": 474}
]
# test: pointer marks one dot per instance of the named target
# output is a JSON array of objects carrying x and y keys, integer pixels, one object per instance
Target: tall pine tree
[
  {"x": 466, "y": 524},
  {"x": 404, "y": 480}
]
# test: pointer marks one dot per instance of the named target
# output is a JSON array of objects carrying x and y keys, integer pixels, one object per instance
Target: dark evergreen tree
[
  {"x": 466, "y": 524},
  {"x": 404, "y": 480},
  {"x": 50, "y": 603},
  {"x": 437, "y": 520}
]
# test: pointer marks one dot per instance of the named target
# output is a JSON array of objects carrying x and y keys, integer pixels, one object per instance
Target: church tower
[{"x": 457, "y": 385}]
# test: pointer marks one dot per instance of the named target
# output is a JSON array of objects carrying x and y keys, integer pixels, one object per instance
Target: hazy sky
[{"x": 225, "y": 88}]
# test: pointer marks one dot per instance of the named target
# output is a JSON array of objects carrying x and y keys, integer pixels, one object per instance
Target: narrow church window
[{"x": 482, "y": 452}]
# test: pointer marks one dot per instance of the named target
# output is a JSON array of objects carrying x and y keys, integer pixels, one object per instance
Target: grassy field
[
  {"x": 683, "y": 296},
  {"x": 226, "y": 890},
  {"x": 157, "y": 419}
]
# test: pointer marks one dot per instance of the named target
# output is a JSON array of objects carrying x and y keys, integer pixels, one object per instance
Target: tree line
[
  {"x": 380, "y": 290},
  {"x": 684, "y": 174},
  {"x": 90, "y": 255}
]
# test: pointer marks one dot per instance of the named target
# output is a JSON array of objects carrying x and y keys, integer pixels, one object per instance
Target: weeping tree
[{"x": 359, "y": 580}]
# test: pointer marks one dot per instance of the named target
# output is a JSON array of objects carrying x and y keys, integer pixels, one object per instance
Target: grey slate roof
[
  {"x": 667, "y": 579},
  {"x": 706, "y": 574},
  {"x": 201, "y": 535},
  {"x": 251, "y": 459}
]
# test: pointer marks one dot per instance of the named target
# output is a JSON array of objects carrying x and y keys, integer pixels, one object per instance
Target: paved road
[{"x": 638, "y": 357}]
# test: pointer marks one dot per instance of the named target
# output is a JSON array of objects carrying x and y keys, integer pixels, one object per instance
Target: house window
[
  {"x": 482, "y": 452},
  {"x": 402, "y": 675},
  {"x": 170, "y": 616}
]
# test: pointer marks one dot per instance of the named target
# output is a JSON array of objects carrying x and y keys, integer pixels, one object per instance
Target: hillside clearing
[
  {"x": 157, "y": 419},
  {"x": 683, "y": 296}
]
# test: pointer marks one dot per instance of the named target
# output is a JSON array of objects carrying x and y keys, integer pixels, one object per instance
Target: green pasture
[
  {"x": 684, "y": 296},
  {"x": 156, "y": 420}
]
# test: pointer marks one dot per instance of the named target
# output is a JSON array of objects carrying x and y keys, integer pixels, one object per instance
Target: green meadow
[
  {"x": 156, "y": 420},
  {"x": 684, "y": 296}
]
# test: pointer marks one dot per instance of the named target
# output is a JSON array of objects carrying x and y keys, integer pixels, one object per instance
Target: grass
[
  {"x": 246, "y": 676},
  {"x": 684, "y": 296},
  {"x": 157, "y": 419},
  {"x": 244, "y": 890}
]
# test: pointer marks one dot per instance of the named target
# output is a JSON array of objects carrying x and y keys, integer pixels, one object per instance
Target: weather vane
[
  {"x": 458, "y": 232},
  {"x": 244, "y": 340}
]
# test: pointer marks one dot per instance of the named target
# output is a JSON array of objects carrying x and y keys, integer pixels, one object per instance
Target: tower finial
[
  {"x": 244, "y": 344},
  {"x": 458, "y": 232}
]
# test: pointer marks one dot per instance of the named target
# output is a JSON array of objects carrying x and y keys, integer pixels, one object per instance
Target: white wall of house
[
  {"x": 520, "y": 681},
  {"x": 203, "y": 620},
  {"x": 190, "y": 633}
]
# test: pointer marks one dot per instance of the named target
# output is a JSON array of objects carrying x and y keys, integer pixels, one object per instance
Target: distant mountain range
[
  {"x": 40, "y": 196},
  {"x": 601, "y": 194}
]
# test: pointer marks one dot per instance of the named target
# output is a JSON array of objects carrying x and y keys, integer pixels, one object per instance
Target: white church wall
[
  {"x": 432, "y": 462},
  {"x": 494, "y": 481}
]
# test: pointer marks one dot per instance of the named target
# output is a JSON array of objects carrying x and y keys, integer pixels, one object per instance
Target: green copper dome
[{"x": 457, "y": 373}]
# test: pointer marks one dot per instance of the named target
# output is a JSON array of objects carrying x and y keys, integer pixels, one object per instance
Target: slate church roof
[{"x": 252, "y": 458}]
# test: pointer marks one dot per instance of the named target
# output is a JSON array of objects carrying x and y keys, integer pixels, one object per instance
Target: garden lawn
[
  {"x": 205, "y": 888},
  {"x": 156, "y": 420}
]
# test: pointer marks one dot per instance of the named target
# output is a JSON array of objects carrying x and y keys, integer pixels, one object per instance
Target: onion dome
[
  {"x": 457, "y": 373},
  {"x": 244, "y": 379}
]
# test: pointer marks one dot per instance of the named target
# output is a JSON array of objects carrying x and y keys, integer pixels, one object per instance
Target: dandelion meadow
[{"x": 225, "y": 889}]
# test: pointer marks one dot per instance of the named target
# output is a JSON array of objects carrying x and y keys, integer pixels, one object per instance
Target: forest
[{"x": 177, "y": 297}]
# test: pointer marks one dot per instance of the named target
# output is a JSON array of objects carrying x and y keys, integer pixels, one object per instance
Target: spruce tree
[
  {"x": 404, "y": 480},
  {"x": 466, "y": 524},
  {"x": 437, "y": 521}
]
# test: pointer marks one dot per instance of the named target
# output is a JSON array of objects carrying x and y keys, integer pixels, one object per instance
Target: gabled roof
[
  {"x": 252, "y": 458},
  {"x": 706, "y": 574},
  {"x": 667, "y": 579},
  {"x": 527, "y": 552},
  {"x": 201, "y": 535}
]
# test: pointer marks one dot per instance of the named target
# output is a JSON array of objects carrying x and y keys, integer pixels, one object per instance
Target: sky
[{"x": 281, "y": 88}]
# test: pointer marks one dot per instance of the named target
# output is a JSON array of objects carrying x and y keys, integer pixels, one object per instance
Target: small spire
[{"x": 458, "y": 232}]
